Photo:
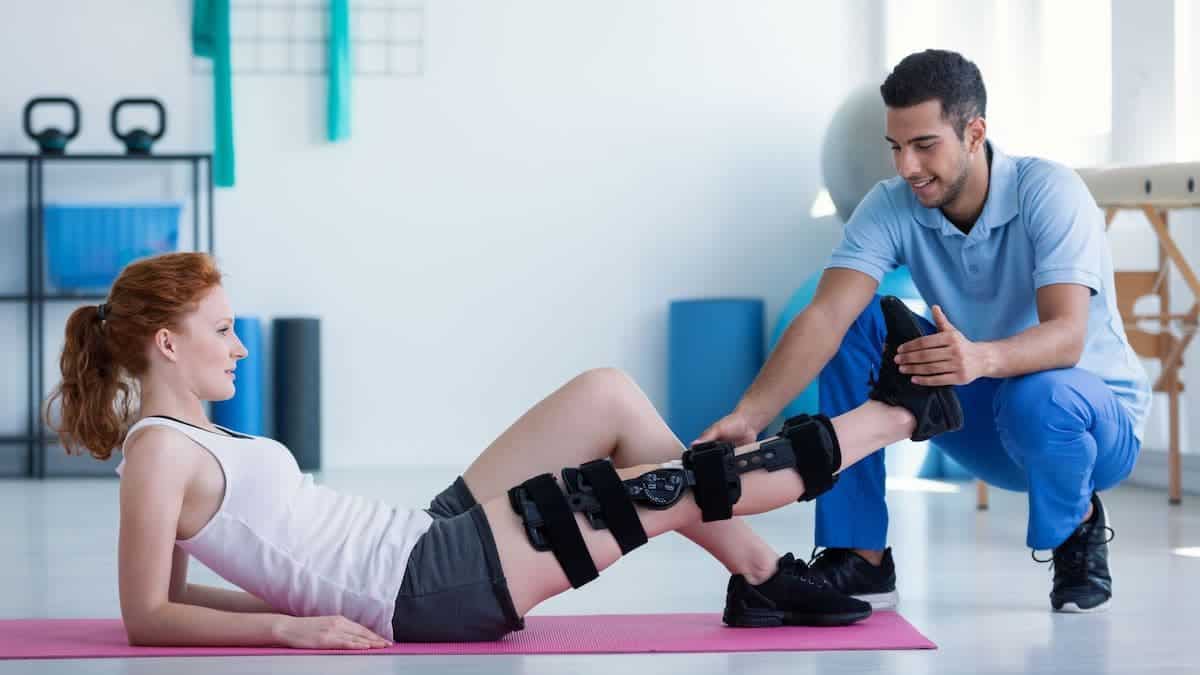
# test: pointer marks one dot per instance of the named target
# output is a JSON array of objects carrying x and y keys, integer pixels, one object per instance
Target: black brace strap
[
  {"x": 807, "y": 444},
  {"x": 618, "y": 510},
  {"x": 558, "y": 526},
  {"x": 819, "y": 455},
  {"x": 716, "y": 489}
]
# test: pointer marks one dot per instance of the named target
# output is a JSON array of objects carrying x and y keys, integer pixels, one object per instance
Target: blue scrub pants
[{"x": 1057, "y": 434}]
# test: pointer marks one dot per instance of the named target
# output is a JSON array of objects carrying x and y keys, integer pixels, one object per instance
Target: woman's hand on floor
[{"x": 326, "y": 632}]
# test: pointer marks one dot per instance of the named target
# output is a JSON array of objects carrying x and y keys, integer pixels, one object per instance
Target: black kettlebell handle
[
  {"x": 162, "y": 116},
  {"x": 51, "y": 99}
]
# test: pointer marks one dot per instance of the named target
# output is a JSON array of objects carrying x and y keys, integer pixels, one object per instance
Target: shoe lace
[
  {"x": 819, "y": 553},
  {"x": 800, "y": 570},
  {"x": 1071, "y": 556},
  {"x": 832, "y": 556}
]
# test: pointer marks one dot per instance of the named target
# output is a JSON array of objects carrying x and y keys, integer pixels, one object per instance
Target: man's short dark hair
[{"x": 936, "y": 74}]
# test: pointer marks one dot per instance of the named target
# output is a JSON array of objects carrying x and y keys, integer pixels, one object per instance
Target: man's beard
[{"x": 955, "y": 188}]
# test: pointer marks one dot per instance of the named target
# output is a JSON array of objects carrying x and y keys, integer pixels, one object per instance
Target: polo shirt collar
[{"x": 1000, "y": 207}]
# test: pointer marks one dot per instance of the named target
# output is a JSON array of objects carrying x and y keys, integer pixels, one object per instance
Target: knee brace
[
  {"x": 596, "y": 491},
  {"x": 711, "y": 470},
  {"x": 806, "y": 443},
  {"x": 550, "y": 525}
]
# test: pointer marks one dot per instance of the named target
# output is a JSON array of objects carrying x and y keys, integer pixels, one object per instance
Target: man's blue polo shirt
[{"x": 1039, "y": 226}]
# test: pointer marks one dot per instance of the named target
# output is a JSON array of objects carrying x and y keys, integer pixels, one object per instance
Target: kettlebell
[
  {"x": 138, "y": 141},
  {"x": 51, "y": 140}
]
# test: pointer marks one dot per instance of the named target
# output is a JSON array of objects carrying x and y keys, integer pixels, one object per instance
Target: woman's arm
[
  {"x": 224, "y": 599},
  {"x": 153, "y": 571},
  {"x": 209, "y": 596},
  {"x": 153, "y": 588},
  {"x": 176, "y": 625}
]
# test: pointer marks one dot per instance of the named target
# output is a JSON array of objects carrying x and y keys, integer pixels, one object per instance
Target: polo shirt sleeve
[
  {"x": 1066, "y": 228},
  {"x": 868, "y": 241}
]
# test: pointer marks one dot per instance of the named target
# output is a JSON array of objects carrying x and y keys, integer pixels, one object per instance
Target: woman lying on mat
[{"x": 327, "y": 570}]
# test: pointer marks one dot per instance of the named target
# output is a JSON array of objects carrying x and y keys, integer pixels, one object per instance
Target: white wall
[
  {"x": 1184, "y": 224},
  {"x": 523, "y": 211},
  {"x": 1151, "y": 88},
  {"x": 1041, "y": 61}
]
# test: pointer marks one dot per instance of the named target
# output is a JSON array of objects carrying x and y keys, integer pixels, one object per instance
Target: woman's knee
[
  {"x": 607, "y": 381},
  {"x": 610, "y": 389}
]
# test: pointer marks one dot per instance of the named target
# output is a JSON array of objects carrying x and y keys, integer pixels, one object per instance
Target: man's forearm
[
  {"x": 223, "y": 599},
  {"x": 1048, "y": 345},
  {"x": 804, "y": 349}
]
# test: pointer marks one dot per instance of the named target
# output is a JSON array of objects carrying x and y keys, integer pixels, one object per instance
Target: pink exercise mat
[{"x": 582, "y": 634}]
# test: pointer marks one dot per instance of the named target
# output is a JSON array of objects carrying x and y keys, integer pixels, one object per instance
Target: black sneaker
[
  {"x": 1081, "y": 579},
  {"x": 793, "y": 596},
  {"x": 851, "y": 574},
  {"x": 936, "y": 408}
]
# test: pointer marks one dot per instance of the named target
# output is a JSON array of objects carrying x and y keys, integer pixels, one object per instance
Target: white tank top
[{"x": 303, "y": 548}]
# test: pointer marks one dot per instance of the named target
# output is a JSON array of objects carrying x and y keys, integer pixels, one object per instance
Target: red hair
[{"x": 102, "y": 356}]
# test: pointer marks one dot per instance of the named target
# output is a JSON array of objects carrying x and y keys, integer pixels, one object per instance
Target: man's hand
[
  {"x": 946, "y": 357},
  {"x": 735, "y": 428}
]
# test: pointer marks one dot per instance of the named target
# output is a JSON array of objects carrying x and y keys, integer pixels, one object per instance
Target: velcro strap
[
  {"x": 831, "y": 446},
  {"x": 716, "y": 491},
  {"x": 793, "y": 422},
  {"x": 817, "y": 452},
  {"x": 562, "y": 530},
  {"x": 619, "y": 512}
]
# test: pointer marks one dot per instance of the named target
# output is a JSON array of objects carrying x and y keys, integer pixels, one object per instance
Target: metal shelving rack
[{"x": 36, "y": 295}]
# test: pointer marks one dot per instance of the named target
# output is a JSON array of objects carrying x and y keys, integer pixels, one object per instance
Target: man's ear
[
  {"x": 976, "y": 133},
  {"x": 164, "y": 342}
]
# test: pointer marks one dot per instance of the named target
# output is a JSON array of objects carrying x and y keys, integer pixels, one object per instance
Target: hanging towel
[
  {"x": 339, "y": 70},
  {"x": 210, "y": 39}
]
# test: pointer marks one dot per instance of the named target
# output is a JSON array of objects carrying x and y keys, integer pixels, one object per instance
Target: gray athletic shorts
[{"x": 454, "y": 589}]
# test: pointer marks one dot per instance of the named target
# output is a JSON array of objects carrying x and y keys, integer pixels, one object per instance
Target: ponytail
[{"x": 95, "y": 396}]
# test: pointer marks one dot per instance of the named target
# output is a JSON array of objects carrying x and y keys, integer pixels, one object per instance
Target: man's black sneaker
[
  {"x": 936, "y": 408},
  {"x": 793, "y": 596},
  {"x": 1081, "y": 579},
  {"x": 851, "y": 574}
]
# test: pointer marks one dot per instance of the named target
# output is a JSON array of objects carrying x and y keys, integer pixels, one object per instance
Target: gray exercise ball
[{"x": 854, "y": 156}]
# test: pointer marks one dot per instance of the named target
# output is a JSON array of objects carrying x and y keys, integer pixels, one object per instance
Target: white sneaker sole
[
  {"x": 878, "y": 601},
  {"x": 1072, "y": 608}
]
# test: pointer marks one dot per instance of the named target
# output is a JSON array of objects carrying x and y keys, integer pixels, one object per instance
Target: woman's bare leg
[
  {"x": 535, "y": 576},
  {"x": 603, "y": 413},
  {"x": 596, "y": 414}
]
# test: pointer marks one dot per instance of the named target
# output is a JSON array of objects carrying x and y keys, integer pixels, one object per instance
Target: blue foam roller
[
  {"x": 244, "y": 412},
  {"x": 715, "y": 349}
]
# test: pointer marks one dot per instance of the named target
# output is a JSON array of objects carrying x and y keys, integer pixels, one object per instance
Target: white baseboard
[{"x": 1151, "y": 471}]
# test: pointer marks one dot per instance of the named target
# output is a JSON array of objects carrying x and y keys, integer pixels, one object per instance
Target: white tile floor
[{"x": 966, "y": 581}]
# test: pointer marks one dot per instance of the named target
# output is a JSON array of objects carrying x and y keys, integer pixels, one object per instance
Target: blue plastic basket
[{"x": 87, "y": 245}]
